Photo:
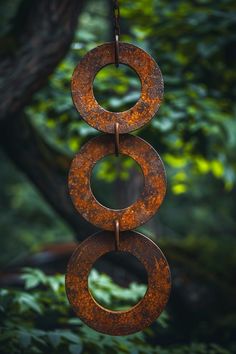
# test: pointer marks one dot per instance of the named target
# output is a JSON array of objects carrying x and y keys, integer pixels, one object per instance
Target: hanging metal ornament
[
  {"x": 118, "y": 322},
  {"x": 145, "y": 206},
  {"x": 117, "y": 125},
  {"x": 151, "y": 88}
]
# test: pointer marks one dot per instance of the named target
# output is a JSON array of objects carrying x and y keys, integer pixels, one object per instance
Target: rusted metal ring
[
  {"x": 149, "y": 200},
  {"x": 118, "y": 322},
  {"x": 151, "y": 88}
]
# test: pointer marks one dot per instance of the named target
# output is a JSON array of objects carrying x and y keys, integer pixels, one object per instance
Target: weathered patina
[
  {"x": 151, "y": 88},
  {"x": 143, "y": 208},
  {"x": 118, "y": 322}
]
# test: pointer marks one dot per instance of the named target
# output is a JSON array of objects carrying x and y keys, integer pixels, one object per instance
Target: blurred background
[{"x": 194, "y": 132}]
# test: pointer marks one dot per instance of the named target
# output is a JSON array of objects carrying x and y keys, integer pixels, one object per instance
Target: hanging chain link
[{"x": 116, "y": 16}]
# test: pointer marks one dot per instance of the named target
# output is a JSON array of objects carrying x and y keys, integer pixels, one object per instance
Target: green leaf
[
  {"x": 70, "y": 336},
  {"x": 30, "y": 281},
  {"x": 28, "y": 302},
  {"x": 75, "y": 348},
  {"x": 25, "y": 339},
  {"x": 54, "y": 338}
]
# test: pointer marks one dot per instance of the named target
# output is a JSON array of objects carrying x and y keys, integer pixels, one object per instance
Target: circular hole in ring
[
  {"x": 117, "y": 181},
  {"x": 117, "y": 288},
  {"x": 117, "y": 89}
]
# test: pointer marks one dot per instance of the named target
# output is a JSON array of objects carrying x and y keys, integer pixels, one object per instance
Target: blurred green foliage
[
  {"x": 38, "y": 319},
  {"x": 26, "y": 220}
]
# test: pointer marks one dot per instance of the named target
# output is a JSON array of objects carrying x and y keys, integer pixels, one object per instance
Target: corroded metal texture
[
  {"x": 151, "y": 88},
  {"x": 149, "y": 200},
  {"x": 118, "y": 322}
]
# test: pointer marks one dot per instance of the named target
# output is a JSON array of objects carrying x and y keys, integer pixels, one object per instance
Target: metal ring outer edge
[
  {"x": 147, "y": 203},
  {"x": 152, "y": 88},
  {"x": 118, "y": 322}
]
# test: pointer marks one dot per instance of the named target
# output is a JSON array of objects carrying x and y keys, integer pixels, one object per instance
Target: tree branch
[{"x": 47, "y": 28}]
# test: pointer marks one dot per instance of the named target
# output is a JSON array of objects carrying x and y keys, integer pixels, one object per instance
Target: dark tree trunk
[{"x": 41, "y": 37}]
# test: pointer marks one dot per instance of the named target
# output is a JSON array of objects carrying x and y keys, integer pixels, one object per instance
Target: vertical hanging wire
[{"x": 116, "y": 17}]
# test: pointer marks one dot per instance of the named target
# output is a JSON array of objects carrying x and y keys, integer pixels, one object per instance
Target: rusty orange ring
[
  {"x": 118, "y": 322},
  {"x": 145, "y": 206},
  {"x": 152, "y": 88}
]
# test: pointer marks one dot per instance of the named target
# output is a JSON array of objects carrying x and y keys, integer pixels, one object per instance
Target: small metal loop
[
  {"x": 117, "y": 234},
  {"x": 117, "y": 139},
  {"x": 117, "y": 51}
]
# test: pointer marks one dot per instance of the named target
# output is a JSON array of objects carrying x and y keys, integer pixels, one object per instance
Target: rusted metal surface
[
  {"x": 145, "y": 206},
  {"x": 151, "y": 88},
  {"x": 118, "y": 322}
]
